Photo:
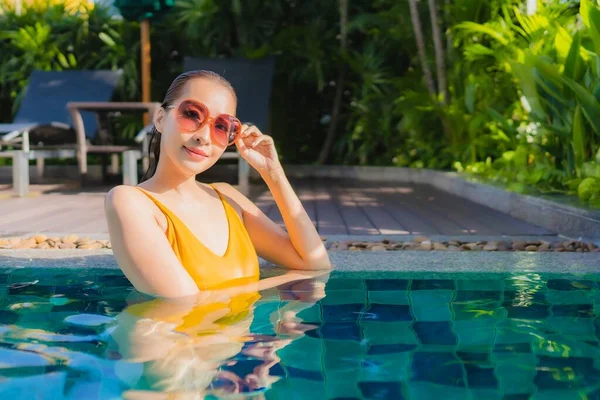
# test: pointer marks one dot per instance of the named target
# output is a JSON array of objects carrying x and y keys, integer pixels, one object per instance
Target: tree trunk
[
  {"x": 339, "y": 91},
  {"x": 440, "y": 61},
  {"x": 416, "y": 22},
  {"x": 446, "y": 20}
]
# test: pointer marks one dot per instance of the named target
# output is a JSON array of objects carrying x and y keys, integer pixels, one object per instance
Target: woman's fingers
[{"x": 250, "y": 130}]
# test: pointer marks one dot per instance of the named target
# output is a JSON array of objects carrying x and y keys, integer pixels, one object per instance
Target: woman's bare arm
[
  {"x": 141, "y": 247},
  {"x": 301, "y": 246}
]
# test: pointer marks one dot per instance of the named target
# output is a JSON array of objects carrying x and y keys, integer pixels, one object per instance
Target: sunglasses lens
[
  {"x": 191, "y": 116},
  {"x": 226, "y": 129}
]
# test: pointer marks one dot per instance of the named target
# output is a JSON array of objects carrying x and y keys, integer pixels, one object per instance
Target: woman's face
[{"x": 193, "y": 153}]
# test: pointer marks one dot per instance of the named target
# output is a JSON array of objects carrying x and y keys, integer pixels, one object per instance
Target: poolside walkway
[{"x": 337, "y": 207}]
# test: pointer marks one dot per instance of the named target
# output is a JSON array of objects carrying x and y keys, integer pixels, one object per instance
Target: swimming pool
[{"x": 87, "y": 334}]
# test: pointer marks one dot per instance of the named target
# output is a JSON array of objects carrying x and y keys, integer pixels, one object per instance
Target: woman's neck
[{"x": 167, "y": 178}]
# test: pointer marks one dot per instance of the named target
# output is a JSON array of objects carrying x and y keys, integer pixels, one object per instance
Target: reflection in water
[
  {"x": 526, "y": 286},
  {"x": 204, "y": 348},
  {"x": 374, "y": 336}
]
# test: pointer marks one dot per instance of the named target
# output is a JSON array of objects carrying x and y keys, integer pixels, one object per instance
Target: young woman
[{"x": 175, "y": 237}]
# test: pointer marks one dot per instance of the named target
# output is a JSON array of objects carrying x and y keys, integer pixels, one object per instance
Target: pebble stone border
[
  {"x": 426, "y": 244},
  {"x": 419, "y": 243},
  {"x": 48, "y": 243}
]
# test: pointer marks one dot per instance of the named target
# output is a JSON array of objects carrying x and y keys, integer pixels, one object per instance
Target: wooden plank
[
  {"x": 407, "y": 214},
  {"x": 356, "y": 220},
  {"x": 500, "y": 223},
  {"x": 86, "y": 221},
  {"x": 19, "y": 219},
  {"x": 371, "y": 204},
  {"x": 450, "y": 208},
  {"x": 330, "y": 220}
]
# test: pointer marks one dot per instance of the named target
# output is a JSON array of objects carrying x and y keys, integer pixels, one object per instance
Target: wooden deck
[{"x": 335, "y": 206}]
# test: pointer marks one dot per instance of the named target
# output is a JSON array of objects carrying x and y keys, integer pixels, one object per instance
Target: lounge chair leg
[
  {"x": 39, "y": 163},
  {"x": 243, "y": 175},
  {"x": 130, "y": 168},
  {"x": 114, "y": 164},
  {"x": 20, "y": 170}
]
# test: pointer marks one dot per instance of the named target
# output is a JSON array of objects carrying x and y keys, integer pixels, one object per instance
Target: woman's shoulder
[{"x": 126, "y": 198}]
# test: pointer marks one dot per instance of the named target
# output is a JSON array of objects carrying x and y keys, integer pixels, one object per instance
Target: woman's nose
[{"x": 203, "y": 135}]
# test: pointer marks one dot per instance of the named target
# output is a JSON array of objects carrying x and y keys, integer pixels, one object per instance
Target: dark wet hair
[{"x": 173, "y": 93}]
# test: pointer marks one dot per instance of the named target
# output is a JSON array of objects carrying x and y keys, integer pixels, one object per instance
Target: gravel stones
[
  {"x": 425, "y": 244},
  {"x": 45, "y": 243}
]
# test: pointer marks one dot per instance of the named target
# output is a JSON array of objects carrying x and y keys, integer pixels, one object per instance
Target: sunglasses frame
[{"x": 208, "y": 120}]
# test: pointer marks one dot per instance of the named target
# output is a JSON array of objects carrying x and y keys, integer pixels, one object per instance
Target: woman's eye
[
  {"x": 221, "y": 127},
  {"x": 191, "y": 114}
]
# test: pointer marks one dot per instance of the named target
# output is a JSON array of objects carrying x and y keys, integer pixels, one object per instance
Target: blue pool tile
[
  {"x": 303, "y": 374},
  {"x": 494, "y": 285},
  {"x": 343, "y": 357},
  {"x": 568, "y": 284},
  {"x": 431, "y": 391},
  {"x": 387, "y": 313},
  {"x": 113, "y": 280},
  {"x": 244, "y": 367},
  {"x": 531, "y": 311},
  {"x": 512, "y": 348},
  {"x": 30, "y": 289},
  {"x": 475, "y": 332},
  {"x": 78, "y": 306},
  {"x": 480, "y": 311},
  {"x": 563, "y": 372},
  {"x": 557, "y": 297},
  {"x": 345, "y": 297},
  {"x": 337, "y": 331},
  {"x": 431, "y": 305},
  {"x": 517, "y": 396},
  {"x": 572, "y": 326},
  {"x": 79, "y": 291},
  {"x": 513, "y": 297},
  {"x": 469, "y": 357},
  {"x": 478, "y": 295},
  {"x": 573, "y": 310},
  {"x": 378, "y": 332},
  {"x": 595, "y": 395},
  {"x": 381, "y": 390},
  {"x": 432, "y": 284},
  {"x": 480, "y": 377},
  {"x": 8, "y": 317},
  {"x": 389, "y": 297},
  {"x": 437, "y": 367},
  {"x": 379, "y": 349},
  {"x": 342, "y": 312},
  {"x": 386, "y": 284},
  {"x": 435, "y": 333},
  {"x": 344, "y": 284},
  {"x": 510, "y": 331},
  {"x": 515, "y": 372}
]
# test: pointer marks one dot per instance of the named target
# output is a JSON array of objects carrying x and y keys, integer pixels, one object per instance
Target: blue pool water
[{"x": 68, "y": 334}]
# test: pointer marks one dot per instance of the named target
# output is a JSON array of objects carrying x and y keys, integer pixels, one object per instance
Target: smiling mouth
[{"x": 195, "y": 153}]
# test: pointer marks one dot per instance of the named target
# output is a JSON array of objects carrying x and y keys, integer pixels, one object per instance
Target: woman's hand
[{"x": 258, "y": 149}]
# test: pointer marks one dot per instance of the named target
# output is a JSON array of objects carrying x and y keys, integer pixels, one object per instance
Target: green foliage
[
  {"x": 524, "y": 90},
  {"x": 57, "y": 37}
]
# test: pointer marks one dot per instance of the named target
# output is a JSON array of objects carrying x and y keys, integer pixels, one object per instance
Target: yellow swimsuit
[{"x": 237, "y": 266}]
